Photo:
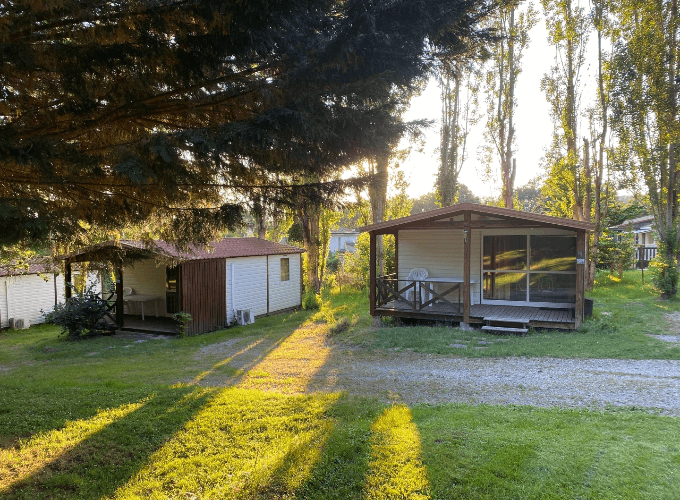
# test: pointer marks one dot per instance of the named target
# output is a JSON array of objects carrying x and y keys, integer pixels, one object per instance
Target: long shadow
[{"x": 105, "y": 460}]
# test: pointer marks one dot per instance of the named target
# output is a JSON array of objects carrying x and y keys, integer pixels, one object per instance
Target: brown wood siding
[{"x": 203, "y": 286}]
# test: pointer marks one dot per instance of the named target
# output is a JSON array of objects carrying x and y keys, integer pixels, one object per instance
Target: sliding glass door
[{"x": 529, "y": 268}]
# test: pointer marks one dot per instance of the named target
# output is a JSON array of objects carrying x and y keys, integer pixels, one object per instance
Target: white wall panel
[
  {"x": 25, "y": 296},
  {"x": 284, "y": 294}
]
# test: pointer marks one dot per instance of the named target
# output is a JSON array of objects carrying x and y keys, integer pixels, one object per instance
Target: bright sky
[{"x": 533, "y": 128}]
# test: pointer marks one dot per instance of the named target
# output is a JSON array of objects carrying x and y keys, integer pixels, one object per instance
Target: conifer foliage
[{"x": 149, "y": 110}]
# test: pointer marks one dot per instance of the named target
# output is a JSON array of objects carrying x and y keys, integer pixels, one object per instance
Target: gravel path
[
  {"x": 546, "y": 382},
  {"x": 308, "y": 362}
]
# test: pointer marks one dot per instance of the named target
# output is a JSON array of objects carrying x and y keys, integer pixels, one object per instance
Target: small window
[{"x": 285, "y": 269}]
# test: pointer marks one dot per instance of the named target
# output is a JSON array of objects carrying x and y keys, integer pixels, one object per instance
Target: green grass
[
  {"x": 110, "y": 418},
  {"x": 625, "y": 313}
]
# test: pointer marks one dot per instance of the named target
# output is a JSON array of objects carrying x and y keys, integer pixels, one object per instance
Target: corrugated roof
[
  {"x": 222, "y": 249},
  {"x": 630, "y": 222},
  {"x": 33, "y": 268},
  {"x": 443, "y": 213}
]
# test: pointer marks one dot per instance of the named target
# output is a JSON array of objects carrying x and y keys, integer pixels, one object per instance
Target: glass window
[
  {"x": 285, "y": 269},
  {"x": 505, "y": 253},
  {"x": 505, "y": 286},
  {"x": 553, "y": 253},
  {"x": 545, "y": 287}
]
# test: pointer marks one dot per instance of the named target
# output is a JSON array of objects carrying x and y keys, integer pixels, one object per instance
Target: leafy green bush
[
  {"x": 614, "y": 254},
  {"x": 80, "y": 315},
  {"x": 311, "y": 301},
  {"x": 664, "y": 275},
  {"x": 182, "y": 318}
]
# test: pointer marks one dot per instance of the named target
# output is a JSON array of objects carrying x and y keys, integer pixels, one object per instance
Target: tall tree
[
  {"x": 513, "y": 26},
  {"x": 139, "y": 110},
  {"x": 458, "y": 115},
  {"x": 645, "y": 111},
  {"x": 567, "y": 25}
]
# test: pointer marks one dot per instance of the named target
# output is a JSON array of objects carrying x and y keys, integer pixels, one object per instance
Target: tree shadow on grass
[{"x": 117, "y": 445}]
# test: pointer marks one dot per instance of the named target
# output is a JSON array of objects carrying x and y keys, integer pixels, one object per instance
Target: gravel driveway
[
  {"x": 308, "y": 362},
  {"x": 419, "y": 378}
]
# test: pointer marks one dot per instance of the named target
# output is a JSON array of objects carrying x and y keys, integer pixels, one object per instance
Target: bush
[
  {"x": 311, "y": 301},
  {"x": 80, "y": 315},
  {"x": 664, "y": 275},
  {"x": 614, "y": 254}
]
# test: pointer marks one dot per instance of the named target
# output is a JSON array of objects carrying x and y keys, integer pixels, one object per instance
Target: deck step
[{"x": 507, "y": 329}]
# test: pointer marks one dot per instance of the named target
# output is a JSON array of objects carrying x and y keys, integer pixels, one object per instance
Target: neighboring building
[
  {"x": 212, "y": 285},
  {"x": 24, "y": 296},
  {"x": 496, "y": 267},
  {"x": 343, "y": 240},
  {"x": 645, "y": 237}
]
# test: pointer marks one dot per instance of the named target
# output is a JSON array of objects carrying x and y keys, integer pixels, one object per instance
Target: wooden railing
[
  {"x": 643, "y": 255},
  {"x": 418, "y": 295}
]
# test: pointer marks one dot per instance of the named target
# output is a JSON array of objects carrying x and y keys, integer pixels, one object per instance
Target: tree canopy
[{"x": 124, "y": 112}]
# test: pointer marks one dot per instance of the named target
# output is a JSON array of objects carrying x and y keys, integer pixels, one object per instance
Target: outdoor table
[{"x": 141, "y": 298}]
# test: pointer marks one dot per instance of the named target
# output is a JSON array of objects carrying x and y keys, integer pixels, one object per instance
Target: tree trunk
[
  {"x": 508, "y": 164},
  {"x": 309, "y": 222},
  {"x": 377, "y": 191}
]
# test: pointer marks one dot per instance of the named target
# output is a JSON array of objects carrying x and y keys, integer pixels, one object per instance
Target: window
[
  {"x": 538, "y": 268},
  {"x": 172, "y": 289},
  {"x": 285, "y": 269}
]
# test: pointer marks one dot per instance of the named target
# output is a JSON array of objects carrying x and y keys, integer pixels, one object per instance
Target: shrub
[
  {"x": 664, "y": 275},
  {"x": 80, "y": 315},
  {"x": 182, "y": 318},
  {"x": 614, "y": 254},
  {"x": 311, "y": 301}
]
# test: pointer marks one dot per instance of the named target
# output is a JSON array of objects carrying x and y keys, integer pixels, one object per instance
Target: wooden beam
[
  {"x": 67, "y": 280},
  {"x": 466, "y": 268},
  {"x": 371, "y": 267},
  {"x": 580, "y": 277},
  {"x": 396, "y": 255},
  {"x": 120, "y": 322}
]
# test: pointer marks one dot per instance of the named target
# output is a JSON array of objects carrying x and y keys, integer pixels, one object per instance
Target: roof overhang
[
  {"x": 487, "y": 217},
  {"x": 116, "y": 252}
]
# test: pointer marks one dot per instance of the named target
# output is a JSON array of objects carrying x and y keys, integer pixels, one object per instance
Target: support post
[
  {"x": 580, "y": 277},
  {"x": 120, "y": 322},
  {"x": 466, "y": 267},
  {"x": 67, "y": 280},
  {"x": 396, "y": 260},
  {"x": 371, "y": 272}
]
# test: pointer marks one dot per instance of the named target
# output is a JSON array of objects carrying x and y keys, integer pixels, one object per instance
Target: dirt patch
[{"x": 673, "y": 322}]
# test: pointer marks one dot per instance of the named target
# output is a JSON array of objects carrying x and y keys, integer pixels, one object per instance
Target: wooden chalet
[
  {"x": 214, "y": 285},
  {"x": 501, "y": 269}
]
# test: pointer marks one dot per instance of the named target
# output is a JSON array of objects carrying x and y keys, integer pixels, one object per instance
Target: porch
[
  {"x": 443, "y": 302},
  {"x": 160, "y": 325},
  {"x": 503, "y": 269}
]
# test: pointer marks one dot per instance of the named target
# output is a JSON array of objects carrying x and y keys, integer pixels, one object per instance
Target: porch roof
[
  {"x": 128, "y": 250},
  {"x": 489, "y": 217}
]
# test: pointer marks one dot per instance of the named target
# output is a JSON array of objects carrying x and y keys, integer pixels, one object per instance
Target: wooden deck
[
  {"x": 541, "y": 317},
  {"x": 150, "y": 324}
]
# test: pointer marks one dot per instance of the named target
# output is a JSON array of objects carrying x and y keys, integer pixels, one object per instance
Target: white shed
[{"x": 24, "y": 296}]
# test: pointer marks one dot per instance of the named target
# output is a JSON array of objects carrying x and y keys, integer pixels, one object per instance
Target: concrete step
[{"x": 505, "y": 329}]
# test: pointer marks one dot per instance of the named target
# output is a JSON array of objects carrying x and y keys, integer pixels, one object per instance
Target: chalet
[
  {"x": 215, "y": 285},
  {"x": 645, "y": 240},
  {"x": 498, "y": 268}
]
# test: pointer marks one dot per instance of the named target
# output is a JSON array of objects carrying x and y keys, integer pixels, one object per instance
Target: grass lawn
[
  {"x": 113, "y": 418},
  {"x": 626, "y": 312}
]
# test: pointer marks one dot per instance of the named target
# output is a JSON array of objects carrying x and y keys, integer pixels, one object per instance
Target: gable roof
[
  {"x": 633, "y": 222},
  {"x": 223, "y": 249},
  {"x": 481, "y": 210}
]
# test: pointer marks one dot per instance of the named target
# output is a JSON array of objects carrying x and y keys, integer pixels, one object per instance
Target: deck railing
[
  {"x": 416, "y": 294},
  {"x": 643, "y": 255}
]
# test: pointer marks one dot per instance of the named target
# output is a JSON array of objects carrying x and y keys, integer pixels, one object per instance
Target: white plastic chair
[
  {"x": 127, "y": 291},
  {"x": 417, "y": 274}
]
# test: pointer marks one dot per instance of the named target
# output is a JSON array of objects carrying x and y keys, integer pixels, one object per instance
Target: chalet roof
[
  {"x": 33, "y": 268},
  {"x": 223, "y": 249},
  {"x": 633, "y": 222},
  {"x": 512, "y": 217}
]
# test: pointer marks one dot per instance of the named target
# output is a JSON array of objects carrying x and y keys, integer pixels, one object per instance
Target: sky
[{"x": 533, "y": 127}]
